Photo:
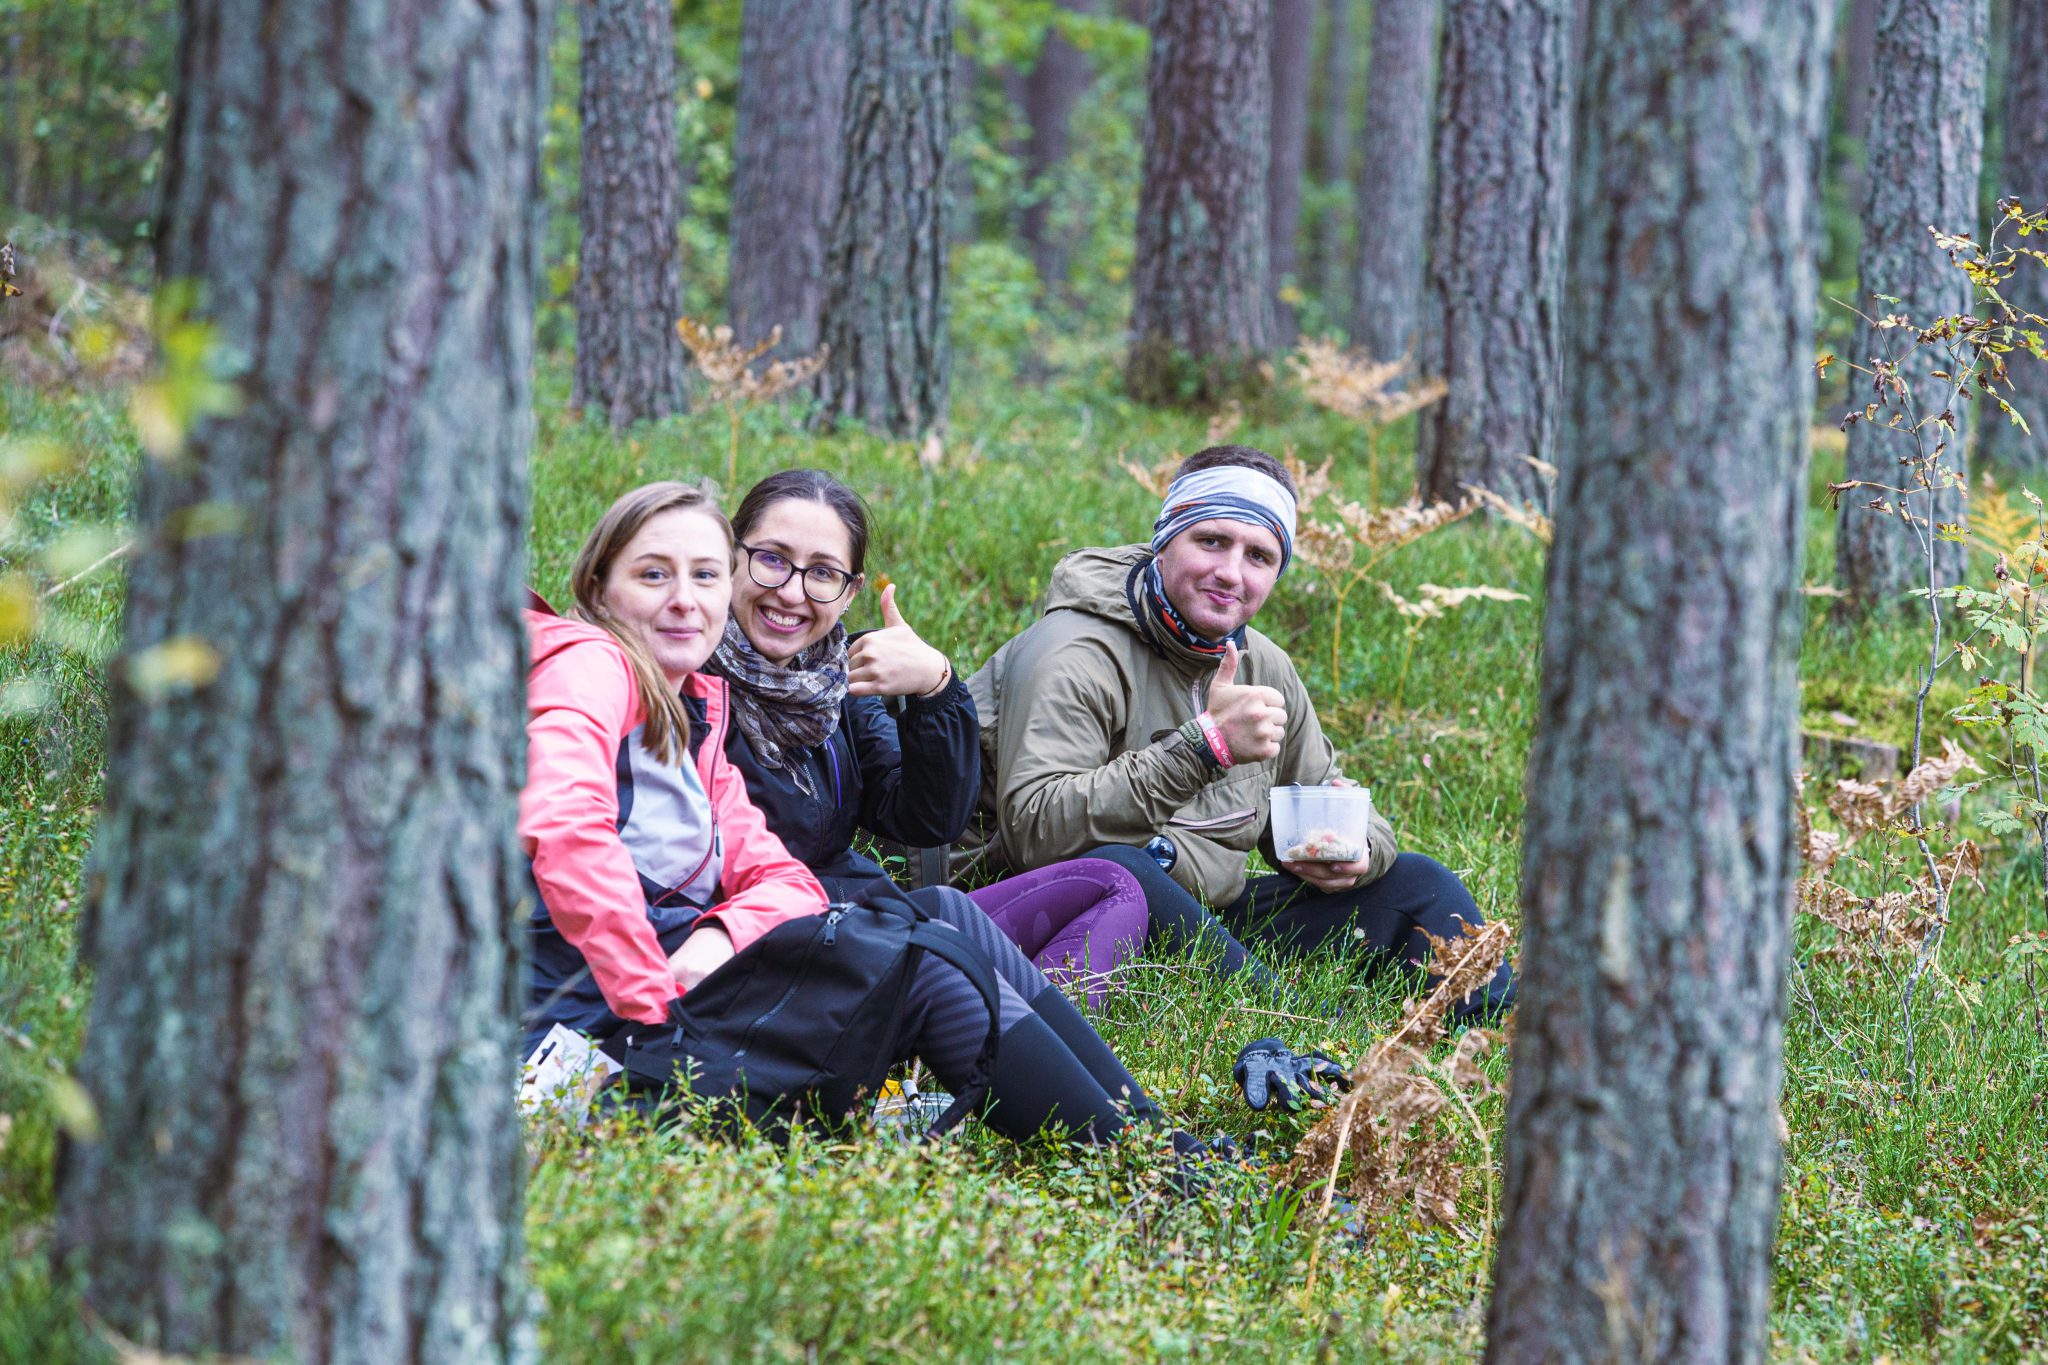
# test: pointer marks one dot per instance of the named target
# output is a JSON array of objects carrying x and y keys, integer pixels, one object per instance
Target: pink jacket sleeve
[
  {"x": 580, "y": 704},
  {"x": 765, "y": 886}
]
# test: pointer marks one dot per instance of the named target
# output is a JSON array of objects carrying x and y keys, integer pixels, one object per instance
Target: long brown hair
[{"x": 667, "y": 724}]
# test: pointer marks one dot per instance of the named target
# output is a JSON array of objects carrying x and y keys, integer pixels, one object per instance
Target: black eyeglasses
[{"x": 822, "y": 582}]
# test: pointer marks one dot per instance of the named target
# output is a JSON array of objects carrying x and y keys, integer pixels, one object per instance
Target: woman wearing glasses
[{"x": 823, "y": 756}]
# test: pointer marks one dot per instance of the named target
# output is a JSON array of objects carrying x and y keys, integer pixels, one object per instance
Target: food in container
[{"x": 1321, "y": 824}]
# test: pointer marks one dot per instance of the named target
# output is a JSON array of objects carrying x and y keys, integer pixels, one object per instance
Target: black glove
[{"x": 1266, "y": 1071}]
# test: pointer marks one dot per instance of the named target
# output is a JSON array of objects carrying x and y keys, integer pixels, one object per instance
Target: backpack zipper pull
[{"x": 832, "y": 918}]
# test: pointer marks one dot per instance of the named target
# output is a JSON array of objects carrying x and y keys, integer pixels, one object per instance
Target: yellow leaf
[
  {"x": 75, "y": 1111},
  {"x": 183, "y": 663},
  {"x": 17, "y": 610}
]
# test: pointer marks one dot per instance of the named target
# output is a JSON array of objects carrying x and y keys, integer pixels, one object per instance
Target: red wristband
[{"x": 1215, "y": 738}]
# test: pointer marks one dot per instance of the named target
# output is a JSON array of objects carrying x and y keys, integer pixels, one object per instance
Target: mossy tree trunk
[
  {"x": 303, "y": 894},
  {"x": 1047, "y": 94},
  {"x": 1292, "y": 61},
  {"x": 1642, "y": 1149},
  {"x": 1202, "y": 303},
  {"x": 629, "y": 292},
  {"x": 2024, "y": 175},
  {"x": 885, "y": 298},
  {"x": 1497, "y": 245},
  {"x": 785, "y": 176},
  {"x": 1393, "y": 177},
  {"x": 1926, "y": 149}
]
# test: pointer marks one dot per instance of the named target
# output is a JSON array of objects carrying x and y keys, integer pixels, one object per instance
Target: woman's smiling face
[
  {"x": 782, "y": 622},
  {"x": 670, "y": 585}
]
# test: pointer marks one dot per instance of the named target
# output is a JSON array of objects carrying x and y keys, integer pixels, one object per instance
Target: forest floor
[{"x": 1914, "y": 1215}]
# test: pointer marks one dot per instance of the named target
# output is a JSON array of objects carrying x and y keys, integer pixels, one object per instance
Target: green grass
[{"x": 1913, "y": 1223}]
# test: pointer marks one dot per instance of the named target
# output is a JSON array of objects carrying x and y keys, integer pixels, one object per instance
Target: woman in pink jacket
[{"x": 651, "y": 865}]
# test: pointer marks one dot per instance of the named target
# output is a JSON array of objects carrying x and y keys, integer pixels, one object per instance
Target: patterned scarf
[
  {"x": 783, "y": 710},
  {"x": 1162, "y": 626}
]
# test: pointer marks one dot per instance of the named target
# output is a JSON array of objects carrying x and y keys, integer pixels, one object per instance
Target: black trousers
[{"x": 1392, "y": 917}]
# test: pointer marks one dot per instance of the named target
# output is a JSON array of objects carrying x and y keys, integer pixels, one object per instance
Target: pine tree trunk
[
  {"x": 1859, "y": 52},
  {"x": 1331, "y": 268},
  {"x": 1202, "y": 303},
  {"x": 1497, "y": 238},
  {"x": 2024, "y": 175},
  {"x": 1047, "y": 94},
  {"x": 1926, "y": 149},
  {"x": 1393, "y": 177},
  {"x": 629, "y": 293},
  {"x": 785, "y": 175},
  {"x": 1642, "y": 1150},
  {"x": 1294, "y": 31},
  {"x": 885, "y": 301},
  {"x": 302, "y": 899}
]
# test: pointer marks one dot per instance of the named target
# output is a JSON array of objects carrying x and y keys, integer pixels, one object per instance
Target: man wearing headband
[{"x": 1142, "y": 720}]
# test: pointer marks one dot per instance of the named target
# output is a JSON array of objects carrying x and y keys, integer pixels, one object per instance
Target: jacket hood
[
  {"x": 1093, "y": 581},
  {"x": 548, "y": 635}
]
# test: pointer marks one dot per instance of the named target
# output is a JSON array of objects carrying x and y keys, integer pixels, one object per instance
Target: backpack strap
[
  {"x": 951, "y": 946},
  {"x": 929, "y": 866}
]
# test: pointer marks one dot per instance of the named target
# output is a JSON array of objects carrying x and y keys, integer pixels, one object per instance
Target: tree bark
[
  {"x": 1047, "y": 94},
  {"x": 785, "y": 181},
  {"x": 1393, "y": 180},
  {"x": 1642, "y": 1150},
  {"x": 1927, "y": 120},
  {"x": 2023, "y": 174},
  {"x": 302, "y": 902},
  {"x": 1202, "y": 303},
  {"x": 629, "y": 291},
  {"x": 1294, "y": 30},
  {"x": 885, "y": 301},
  {"x": 1333, "y": 164},
  {"x": 1859, "y": 53},
  {"x": 1496, "y": 270}
]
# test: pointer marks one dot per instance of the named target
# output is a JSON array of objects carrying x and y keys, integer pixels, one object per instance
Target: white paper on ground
[{"x": 564, "y": 1073}]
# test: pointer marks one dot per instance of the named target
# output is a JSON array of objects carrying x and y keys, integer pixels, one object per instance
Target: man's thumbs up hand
[
  {"x": 1253, "y": 719},
  {"x": 892, "y": 661}
]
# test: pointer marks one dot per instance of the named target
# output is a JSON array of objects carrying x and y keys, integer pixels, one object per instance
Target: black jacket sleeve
[{"x": 920, "y": 773}]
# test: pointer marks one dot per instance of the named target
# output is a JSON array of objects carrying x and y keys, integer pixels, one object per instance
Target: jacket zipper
[{"x": 803, "y": 971}]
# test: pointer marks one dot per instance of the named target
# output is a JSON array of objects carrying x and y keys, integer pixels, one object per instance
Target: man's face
[{"x": 1218, "y": 573}]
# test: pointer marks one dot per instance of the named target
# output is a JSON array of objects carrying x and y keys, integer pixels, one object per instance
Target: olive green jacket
[{"x": 1081, "y": 742}]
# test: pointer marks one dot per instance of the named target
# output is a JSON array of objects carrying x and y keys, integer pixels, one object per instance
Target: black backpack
[{"x": 801, "y": 1023}]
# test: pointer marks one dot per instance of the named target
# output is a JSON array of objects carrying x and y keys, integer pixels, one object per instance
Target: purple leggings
[{"x": 1075, "y": 920}]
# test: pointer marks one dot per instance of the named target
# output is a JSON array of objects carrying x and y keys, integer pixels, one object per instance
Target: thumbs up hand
[
  {"x": 1253, "y": 719},
  {"x": 893, "y": 661}
]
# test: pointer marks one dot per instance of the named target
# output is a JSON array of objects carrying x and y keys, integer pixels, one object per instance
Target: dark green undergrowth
[{"x": 1914, "y": 1217}]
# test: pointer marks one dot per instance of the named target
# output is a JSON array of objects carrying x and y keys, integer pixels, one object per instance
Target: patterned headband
[{"x": 1227, "y": 493}]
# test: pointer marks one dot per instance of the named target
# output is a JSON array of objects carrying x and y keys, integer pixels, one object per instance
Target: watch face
[{"x": 1162, "y": 851}]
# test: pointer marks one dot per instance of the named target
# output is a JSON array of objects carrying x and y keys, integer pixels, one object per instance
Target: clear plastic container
[{"x": 1321, "y": 824}]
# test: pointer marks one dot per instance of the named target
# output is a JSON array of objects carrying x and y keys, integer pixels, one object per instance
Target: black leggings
[
  {"x": 1053, "y": 1068},
  {"x": 1398, "y": 912}
]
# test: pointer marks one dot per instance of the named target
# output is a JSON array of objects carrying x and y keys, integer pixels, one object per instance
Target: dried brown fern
[
  {"x": 1398, "y": 1122},
  {"x": 1525, "y": 515},
  {"x": 1871, "y": 930},
  {"x": 1355, "y": 385},
  {"x": 732, "y": 379}
]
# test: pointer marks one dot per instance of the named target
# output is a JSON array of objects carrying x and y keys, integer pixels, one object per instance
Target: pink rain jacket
[{"x": 581, "y": 705}]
